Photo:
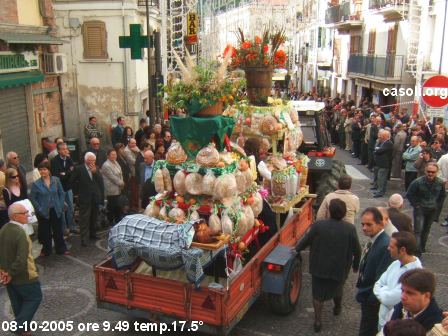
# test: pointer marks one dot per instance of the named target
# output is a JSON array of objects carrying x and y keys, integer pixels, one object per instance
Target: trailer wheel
[
  {"x": 285, "y": 303},
  {"x": 328, "y": 182}
]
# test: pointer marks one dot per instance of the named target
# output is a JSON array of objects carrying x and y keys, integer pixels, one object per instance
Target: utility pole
[{"x": 152, "y": 111}]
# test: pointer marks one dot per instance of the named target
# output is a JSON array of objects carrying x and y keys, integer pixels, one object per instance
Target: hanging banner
[{"x": 192, "y": 27}]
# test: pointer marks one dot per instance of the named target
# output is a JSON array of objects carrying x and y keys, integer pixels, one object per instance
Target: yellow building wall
[{"x": 28, "y": 11}]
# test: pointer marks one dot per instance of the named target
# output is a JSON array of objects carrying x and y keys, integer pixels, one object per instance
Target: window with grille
[{"x": 95, "y": 40}]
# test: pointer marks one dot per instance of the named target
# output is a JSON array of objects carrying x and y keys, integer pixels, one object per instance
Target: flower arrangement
[
  {"x": 261, "y": 51},
  {"x": 201, "y": 86}
]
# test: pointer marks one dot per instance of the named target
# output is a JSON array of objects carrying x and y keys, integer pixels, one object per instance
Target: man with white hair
[
  {"x": 400, "y": 220},
  {"x": 18, "y": 271},
  {"x": 88, "y": 181},
  {"x": 382, "y": 156}
]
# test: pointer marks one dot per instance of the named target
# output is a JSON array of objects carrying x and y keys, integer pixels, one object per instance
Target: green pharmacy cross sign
[{"x": 136, "y": 41}]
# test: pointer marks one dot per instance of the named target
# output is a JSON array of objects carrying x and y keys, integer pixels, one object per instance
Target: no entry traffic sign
[{"x": 435, "y": 91}]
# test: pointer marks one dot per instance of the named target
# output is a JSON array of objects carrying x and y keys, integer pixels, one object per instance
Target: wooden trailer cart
[{"x": 274, "y": 271}]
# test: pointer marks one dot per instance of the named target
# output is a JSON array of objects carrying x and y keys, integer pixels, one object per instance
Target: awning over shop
[
  {"x": 14, "y": 38},
  {"x": 20, "y": 78}
]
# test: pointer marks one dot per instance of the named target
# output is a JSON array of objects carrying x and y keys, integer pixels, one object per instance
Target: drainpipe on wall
[
  {"x": 443, "y": 37},
  {"x": 125, "y": 65}
]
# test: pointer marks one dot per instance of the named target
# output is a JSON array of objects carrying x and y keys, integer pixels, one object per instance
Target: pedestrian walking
[
  {"x": 113, "y": 187},
  {"x": 387, "y": 289},
  {"x": 425, "y": 194},
  {"x": 47, "y": 197},
  {"x": 374, "y": 261},
  {"x": 409, "y": 156},
  {"x": 343, "y": 193},
  {"x": 334, "y": 250},
  {"x": 18, "y": 271},
  {"x": 383, "y": 159},
  {"x": 90, "y": 188}
]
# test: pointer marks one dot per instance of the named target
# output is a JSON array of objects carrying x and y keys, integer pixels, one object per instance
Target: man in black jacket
[
  {"x": 382, "y": 156},
  {"x": 62, "y": 166},
  {"x": 144, "y": 179},
  {"x": 374, "y": 262},
  {"x": 417, "y": 299},
  {"x": 88, "y": 181}
]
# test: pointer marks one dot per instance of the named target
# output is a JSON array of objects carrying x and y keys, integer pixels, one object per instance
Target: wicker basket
[{"x": 211, "y": 111}]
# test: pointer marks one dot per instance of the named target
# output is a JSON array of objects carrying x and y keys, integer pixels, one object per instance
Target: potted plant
[
  {"x": 258, "y": 57},
  {"x": 201, "y": 90}
]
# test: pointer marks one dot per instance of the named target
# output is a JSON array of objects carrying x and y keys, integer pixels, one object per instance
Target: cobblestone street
[{"x": 69, "y": 287}]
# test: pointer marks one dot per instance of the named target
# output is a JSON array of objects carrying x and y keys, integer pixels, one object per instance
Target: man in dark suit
[
  {"x": 89, "y": 182},
  {"x": 400, "y": 220},
  {"x": 374, "y": 262},
  {"x": 62, "y": 166},
  {"x": 382, "y": 157},
  {"x": 146, "y": 171}
]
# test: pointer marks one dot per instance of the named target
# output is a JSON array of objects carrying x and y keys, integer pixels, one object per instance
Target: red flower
[
  {"x": 258, "y": 40},
  {"x": 246, "y": 45},
  {"x": 230, "y": 50},
  {"x": 265, "y": 48},
  {"x": 280, "y": 57},
  {"x": 250, "y": 57}
]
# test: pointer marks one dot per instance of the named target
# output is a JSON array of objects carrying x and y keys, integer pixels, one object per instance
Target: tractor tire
[
  {"x": 328, "y": 182},
  {"x": 285, "y": 303}
]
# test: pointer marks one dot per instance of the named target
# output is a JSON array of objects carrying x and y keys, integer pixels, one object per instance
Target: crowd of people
[{"x": 394, "y": 290}]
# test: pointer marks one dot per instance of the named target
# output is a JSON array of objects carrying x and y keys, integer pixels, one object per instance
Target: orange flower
[
  {"x": 258, "y": 39},
  {"x": 280, "y": 57},
  {"x": 246, "y": 45},
  {"x": 250, "y": 57},
  {"x": 230, "y": 50},
  {"x": 265, "y": 48}
]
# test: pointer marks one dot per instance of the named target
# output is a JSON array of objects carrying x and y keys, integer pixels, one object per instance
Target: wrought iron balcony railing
[
  {"x": 152, "y": 3},
  {"x": 389, "y": 67}
]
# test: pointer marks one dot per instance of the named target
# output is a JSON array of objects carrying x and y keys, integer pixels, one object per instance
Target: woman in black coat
[{"x": 334, "y": 250}]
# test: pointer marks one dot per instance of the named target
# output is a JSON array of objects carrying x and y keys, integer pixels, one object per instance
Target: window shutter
[
  {"x": 95, "y": 40},
  {"x": 372, "y": 40}
]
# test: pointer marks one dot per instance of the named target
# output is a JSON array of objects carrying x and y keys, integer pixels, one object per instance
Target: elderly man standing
[
  {"x": 383, "y": 159},
  {"x": 410, "y": 156},
  {"x": 343, "y": 193},
  {"x": 89, "y": 184},
  {"x": 399, "y": 219},
  {"x": 146, "y": 169},
  {"x": 373, "y": 137},
  {"x": 426, "y": 194},
  {"x": 95, "y": 148},
  {"x": 17, "y": 268},
  {"x": 13, "y": 161},
  {"x": 399, "y": 142}
]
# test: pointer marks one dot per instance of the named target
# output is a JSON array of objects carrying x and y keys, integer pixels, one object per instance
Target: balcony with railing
[
  {"x": 342, "y": 17},
  {"x": 151, "y": 3},
  {"x": 391, "y": 10},
  {"x": 386, "y": 68}
]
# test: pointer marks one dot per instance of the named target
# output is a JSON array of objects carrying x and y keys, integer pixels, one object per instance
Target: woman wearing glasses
[
  {"x": 47, "y": 197},
  {"x": 12, "y": 192}
]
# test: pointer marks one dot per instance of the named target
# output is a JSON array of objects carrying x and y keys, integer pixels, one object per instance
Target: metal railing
[
  {"x": 153, "y": 3},
  {"x": 338, "y": 13},
  {"x": 378, "y": 4},
  {"x": 385, "y": 67}
]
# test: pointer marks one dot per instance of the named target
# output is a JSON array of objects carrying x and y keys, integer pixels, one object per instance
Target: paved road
[{"x": 69, "y": 288}]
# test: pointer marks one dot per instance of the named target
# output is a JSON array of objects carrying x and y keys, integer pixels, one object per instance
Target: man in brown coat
[{"x": 399, "y": 219}]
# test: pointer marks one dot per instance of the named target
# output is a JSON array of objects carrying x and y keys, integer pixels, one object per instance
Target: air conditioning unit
[{"x": 55, "y": 63}]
